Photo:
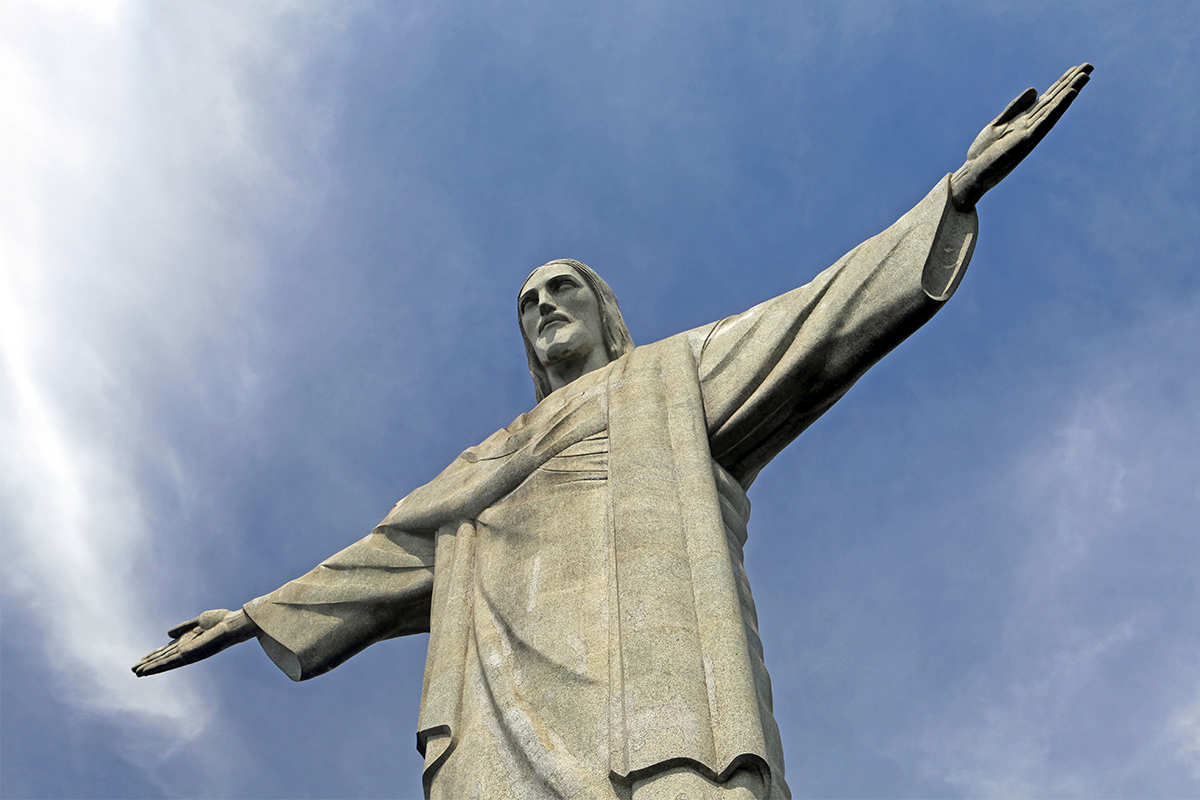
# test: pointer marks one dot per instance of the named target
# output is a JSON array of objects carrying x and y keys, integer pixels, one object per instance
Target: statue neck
[{"x": 563, "y": 372}]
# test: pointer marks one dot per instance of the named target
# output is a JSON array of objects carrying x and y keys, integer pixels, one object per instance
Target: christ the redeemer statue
[{"x": 592, "y": 632}]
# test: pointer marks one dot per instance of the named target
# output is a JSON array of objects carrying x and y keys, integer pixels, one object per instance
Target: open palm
[
  {"x": 1013, "y": 135},
  {"x": 197, "y": 639}
]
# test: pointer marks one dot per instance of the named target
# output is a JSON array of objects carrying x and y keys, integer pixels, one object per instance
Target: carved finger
[
  {"x": 1046, "y": 118},
  {"x": 183, "y": 627},
  {"x": 1019, "y": 105},
  {"x": 156, "y": 667},
  {"x": 159, "y": 651},
  {"x": 1058, "y": 84},
  {"x": 1072, "y": 83},
  {"x": 158, "y": 661},
  {"x": 1075, "y": 78},
  {"x": 1069, "y": 76},
  {"x": 169, "y": 651}
]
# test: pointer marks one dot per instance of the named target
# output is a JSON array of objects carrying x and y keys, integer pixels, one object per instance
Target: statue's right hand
[{"x": 197, "y": 639}]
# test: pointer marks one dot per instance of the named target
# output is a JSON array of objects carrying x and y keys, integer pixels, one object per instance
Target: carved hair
[{"x": 615, "y": 335}]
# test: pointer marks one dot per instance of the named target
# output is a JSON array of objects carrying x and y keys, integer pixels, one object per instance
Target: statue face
[{"x": 560, "y": 315}]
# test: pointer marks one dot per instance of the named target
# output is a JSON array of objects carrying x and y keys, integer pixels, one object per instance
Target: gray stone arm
[
  {"x": 377, "y": 588},
  {"x": 769, "y": 373}
]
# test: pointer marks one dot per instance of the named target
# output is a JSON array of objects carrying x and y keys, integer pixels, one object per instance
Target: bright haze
[{"x": 258, "y": 281}]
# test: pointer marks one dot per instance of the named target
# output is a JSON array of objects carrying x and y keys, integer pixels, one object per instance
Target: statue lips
[{"x": 556, "y": 316}]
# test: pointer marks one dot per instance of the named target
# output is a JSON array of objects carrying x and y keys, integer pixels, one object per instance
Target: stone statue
[{"x": 592, "y": 632}]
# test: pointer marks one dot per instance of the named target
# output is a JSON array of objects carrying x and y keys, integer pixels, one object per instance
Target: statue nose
[{"x": 545, "y": 306}]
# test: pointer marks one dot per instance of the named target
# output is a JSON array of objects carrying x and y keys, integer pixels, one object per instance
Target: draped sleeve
[
  {"x": 769, "y": 373},
  {"x": 375, "y": 589}
]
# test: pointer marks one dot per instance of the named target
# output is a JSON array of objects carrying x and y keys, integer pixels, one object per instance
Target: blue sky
[{"x": 260, "y": 265}]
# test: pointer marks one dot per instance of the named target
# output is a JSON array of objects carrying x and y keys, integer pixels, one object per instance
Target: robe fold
[{"x": 580, "y": 572}]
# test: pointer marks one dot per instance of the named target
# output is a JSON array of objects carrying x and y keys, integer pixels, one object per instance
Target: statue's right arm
[
  {"x": 375, "y": 589},
  {"x": 197, "y": 639}
]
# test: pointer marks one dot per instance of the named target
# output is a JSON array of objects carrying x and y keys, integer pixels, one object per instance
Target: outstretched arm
[
  {"x": 375, "y": 589},
  {"x": 197, "y": 639},
  {"x": 1012, "y": 136}
]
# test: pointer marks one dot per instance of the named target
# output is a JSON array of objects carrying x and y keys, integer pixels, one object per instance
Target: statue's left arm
[{"x": 769, "y": 373}]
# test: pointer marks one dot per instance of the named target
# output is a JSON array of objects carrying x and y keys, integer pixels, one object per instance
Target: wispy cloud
[
  {"x": 1184, "y": 733},
  {"x": 122, "y": 247},
  {"x": 1095, "y": 635}
]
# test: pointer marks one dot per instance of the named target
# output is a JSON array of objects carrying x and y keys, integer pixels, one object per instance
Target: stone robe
[{"x": 580, "y": 571}]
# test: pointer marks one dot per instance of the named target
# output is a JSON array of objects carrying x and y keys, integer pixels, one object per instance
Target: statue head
[{"x": 595, "y": 313}]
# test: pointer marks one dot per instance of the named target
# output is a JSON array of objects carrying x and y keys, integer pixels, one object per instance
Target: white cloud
[
  {"x": 1089, "y": 691},
  {"x": 1184, "y": 731},
  {"x": 126, "y": 265}
]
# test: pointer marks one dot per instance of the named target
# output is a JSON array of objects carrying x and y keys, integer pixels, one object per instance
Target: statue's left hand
[{"x": 1013, "y": 135}]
